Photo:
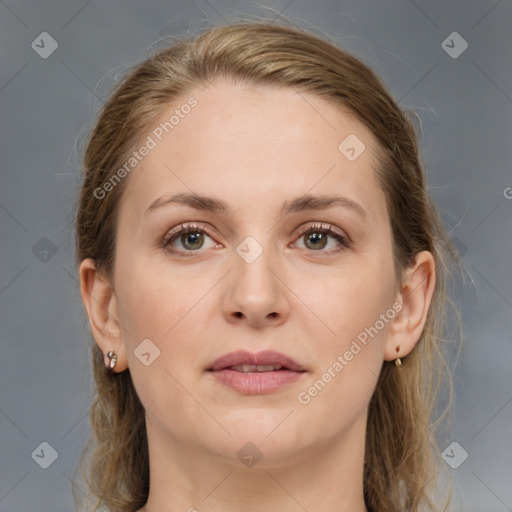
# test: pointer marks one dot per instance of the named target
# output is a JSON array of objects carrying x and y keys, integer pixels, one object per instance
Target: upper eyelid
[
  {"x": 301, "y": 231},
  {"x": 188, "y": 226},
  {"x": 322, "y": 226}
]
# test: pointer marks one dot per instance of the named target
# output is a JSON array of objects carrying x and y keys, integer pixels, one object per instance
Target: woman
[{"x": 264, "y": 273}]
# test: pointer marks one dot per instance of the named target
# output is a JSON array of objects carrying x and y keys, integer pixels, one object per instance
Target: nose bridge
[
  {"x": 252, "y": 263},
  {"x": 255, "y": 291}
]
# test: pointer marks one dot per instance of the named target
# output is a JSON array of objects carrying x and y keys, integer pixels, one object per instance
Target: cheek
[
  {"x": 349, "y": 303},
  {"x": 172, "y": 315},
  {"x": 349, "y": 361},
  {"x": 148, "y": 302},
  {"x": 171, "y": 310}
]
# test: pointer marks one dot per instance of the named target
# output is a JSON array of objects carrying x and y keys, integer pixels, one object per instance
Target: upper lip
[{"x": 267, "y": 357}]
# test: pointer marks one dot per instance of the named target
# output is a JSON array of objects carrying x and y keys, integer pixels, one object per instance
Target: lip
[
  {"x": 256, "y": 383},
  {"x": 266, "y": 357}
]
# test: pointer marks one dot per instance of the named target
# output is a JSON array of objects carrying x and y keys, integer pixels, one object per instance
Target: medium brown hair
[{"x": 401, "y": 456}]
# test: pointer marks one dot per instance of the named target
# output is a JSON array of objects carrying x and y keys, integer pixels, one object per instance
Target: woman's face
[{"x": 263, "y": 273}]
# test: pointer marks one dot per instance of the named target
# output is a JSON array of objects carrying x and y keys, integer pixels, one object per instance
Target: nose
[{"x": 256, "y": 292}]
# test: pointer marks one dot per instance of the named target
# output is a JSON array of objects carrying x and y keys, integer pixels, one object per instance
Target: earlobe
[
  {"x": 100, "y": 303},
  {"x": 415, "y": 297}
]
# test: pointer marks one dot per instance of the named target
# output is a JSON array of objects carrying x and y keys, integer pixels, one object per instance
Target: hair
[{"x": 402, "y": 459}]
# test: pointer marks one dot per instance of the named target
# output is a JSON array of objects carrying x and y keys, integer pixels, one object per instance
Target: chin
[{"x": 259, "y": 436}]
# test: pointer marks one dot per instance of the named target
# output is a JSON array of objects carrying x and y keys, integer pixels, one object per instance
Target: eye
[
  {"x": 316, "y": 237},
  {"x": 191, "y": 237}
]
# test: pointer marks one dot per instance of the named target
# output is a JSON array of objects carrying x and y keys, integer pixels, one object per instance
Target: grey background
[{"x": 47, "y": 106}]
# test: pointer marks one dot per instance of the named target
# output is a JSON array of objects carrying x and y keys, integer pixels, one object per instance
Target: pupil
[
  {"x": 192, "y": 239},
  {"x": 318, "y": 240}
]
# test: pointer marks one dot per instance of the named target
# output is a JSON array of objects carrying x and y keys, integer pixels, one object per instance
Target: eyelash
[{"x": 328, "y": 229}]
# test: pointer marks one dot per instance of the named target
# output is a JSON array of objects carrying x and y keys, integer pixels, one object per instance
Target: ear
[
  {"x": 100, "y": 303},
  {"x": 415, "y": 297}
]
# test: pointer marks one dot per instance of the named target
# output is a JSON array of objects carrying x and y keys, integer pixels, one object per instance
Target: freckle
[{"x": 397, "y": 349}]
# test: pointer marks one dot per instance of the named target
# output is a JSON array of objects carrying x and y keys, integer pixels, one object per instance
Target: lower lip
[{"x": 257, "y": 383}]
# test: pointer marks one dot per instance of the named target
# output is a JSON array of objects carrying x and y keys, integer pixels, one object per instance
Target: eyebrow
[{"x": 299, "y": 204}]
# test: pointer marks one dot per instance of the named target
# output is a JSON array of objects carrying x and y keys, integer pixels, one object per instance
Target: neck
[{"x": 323, "y": 478}]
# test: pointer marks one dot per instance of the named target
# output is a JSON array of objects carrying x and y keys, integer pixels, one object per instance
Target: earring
[
  {"x": 398, "y": 361},
  {"x": 113, "y": 360}
]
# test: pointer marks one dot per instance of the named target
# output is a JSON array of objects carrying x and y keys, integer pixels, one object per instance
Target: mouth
[
  {"x": 255, "y": 368},
  {"x": 256, "y": 374},
  {"x": 266, "y": 361}
]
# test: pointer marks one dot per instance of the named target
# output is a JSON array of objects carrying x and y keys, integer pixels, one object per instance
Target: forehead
[{"x": 253, "y": 141}]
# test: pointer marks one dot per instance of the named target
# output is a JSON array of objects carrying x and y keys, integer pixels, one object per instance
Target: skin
[{"x": 255, "y": 148}]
